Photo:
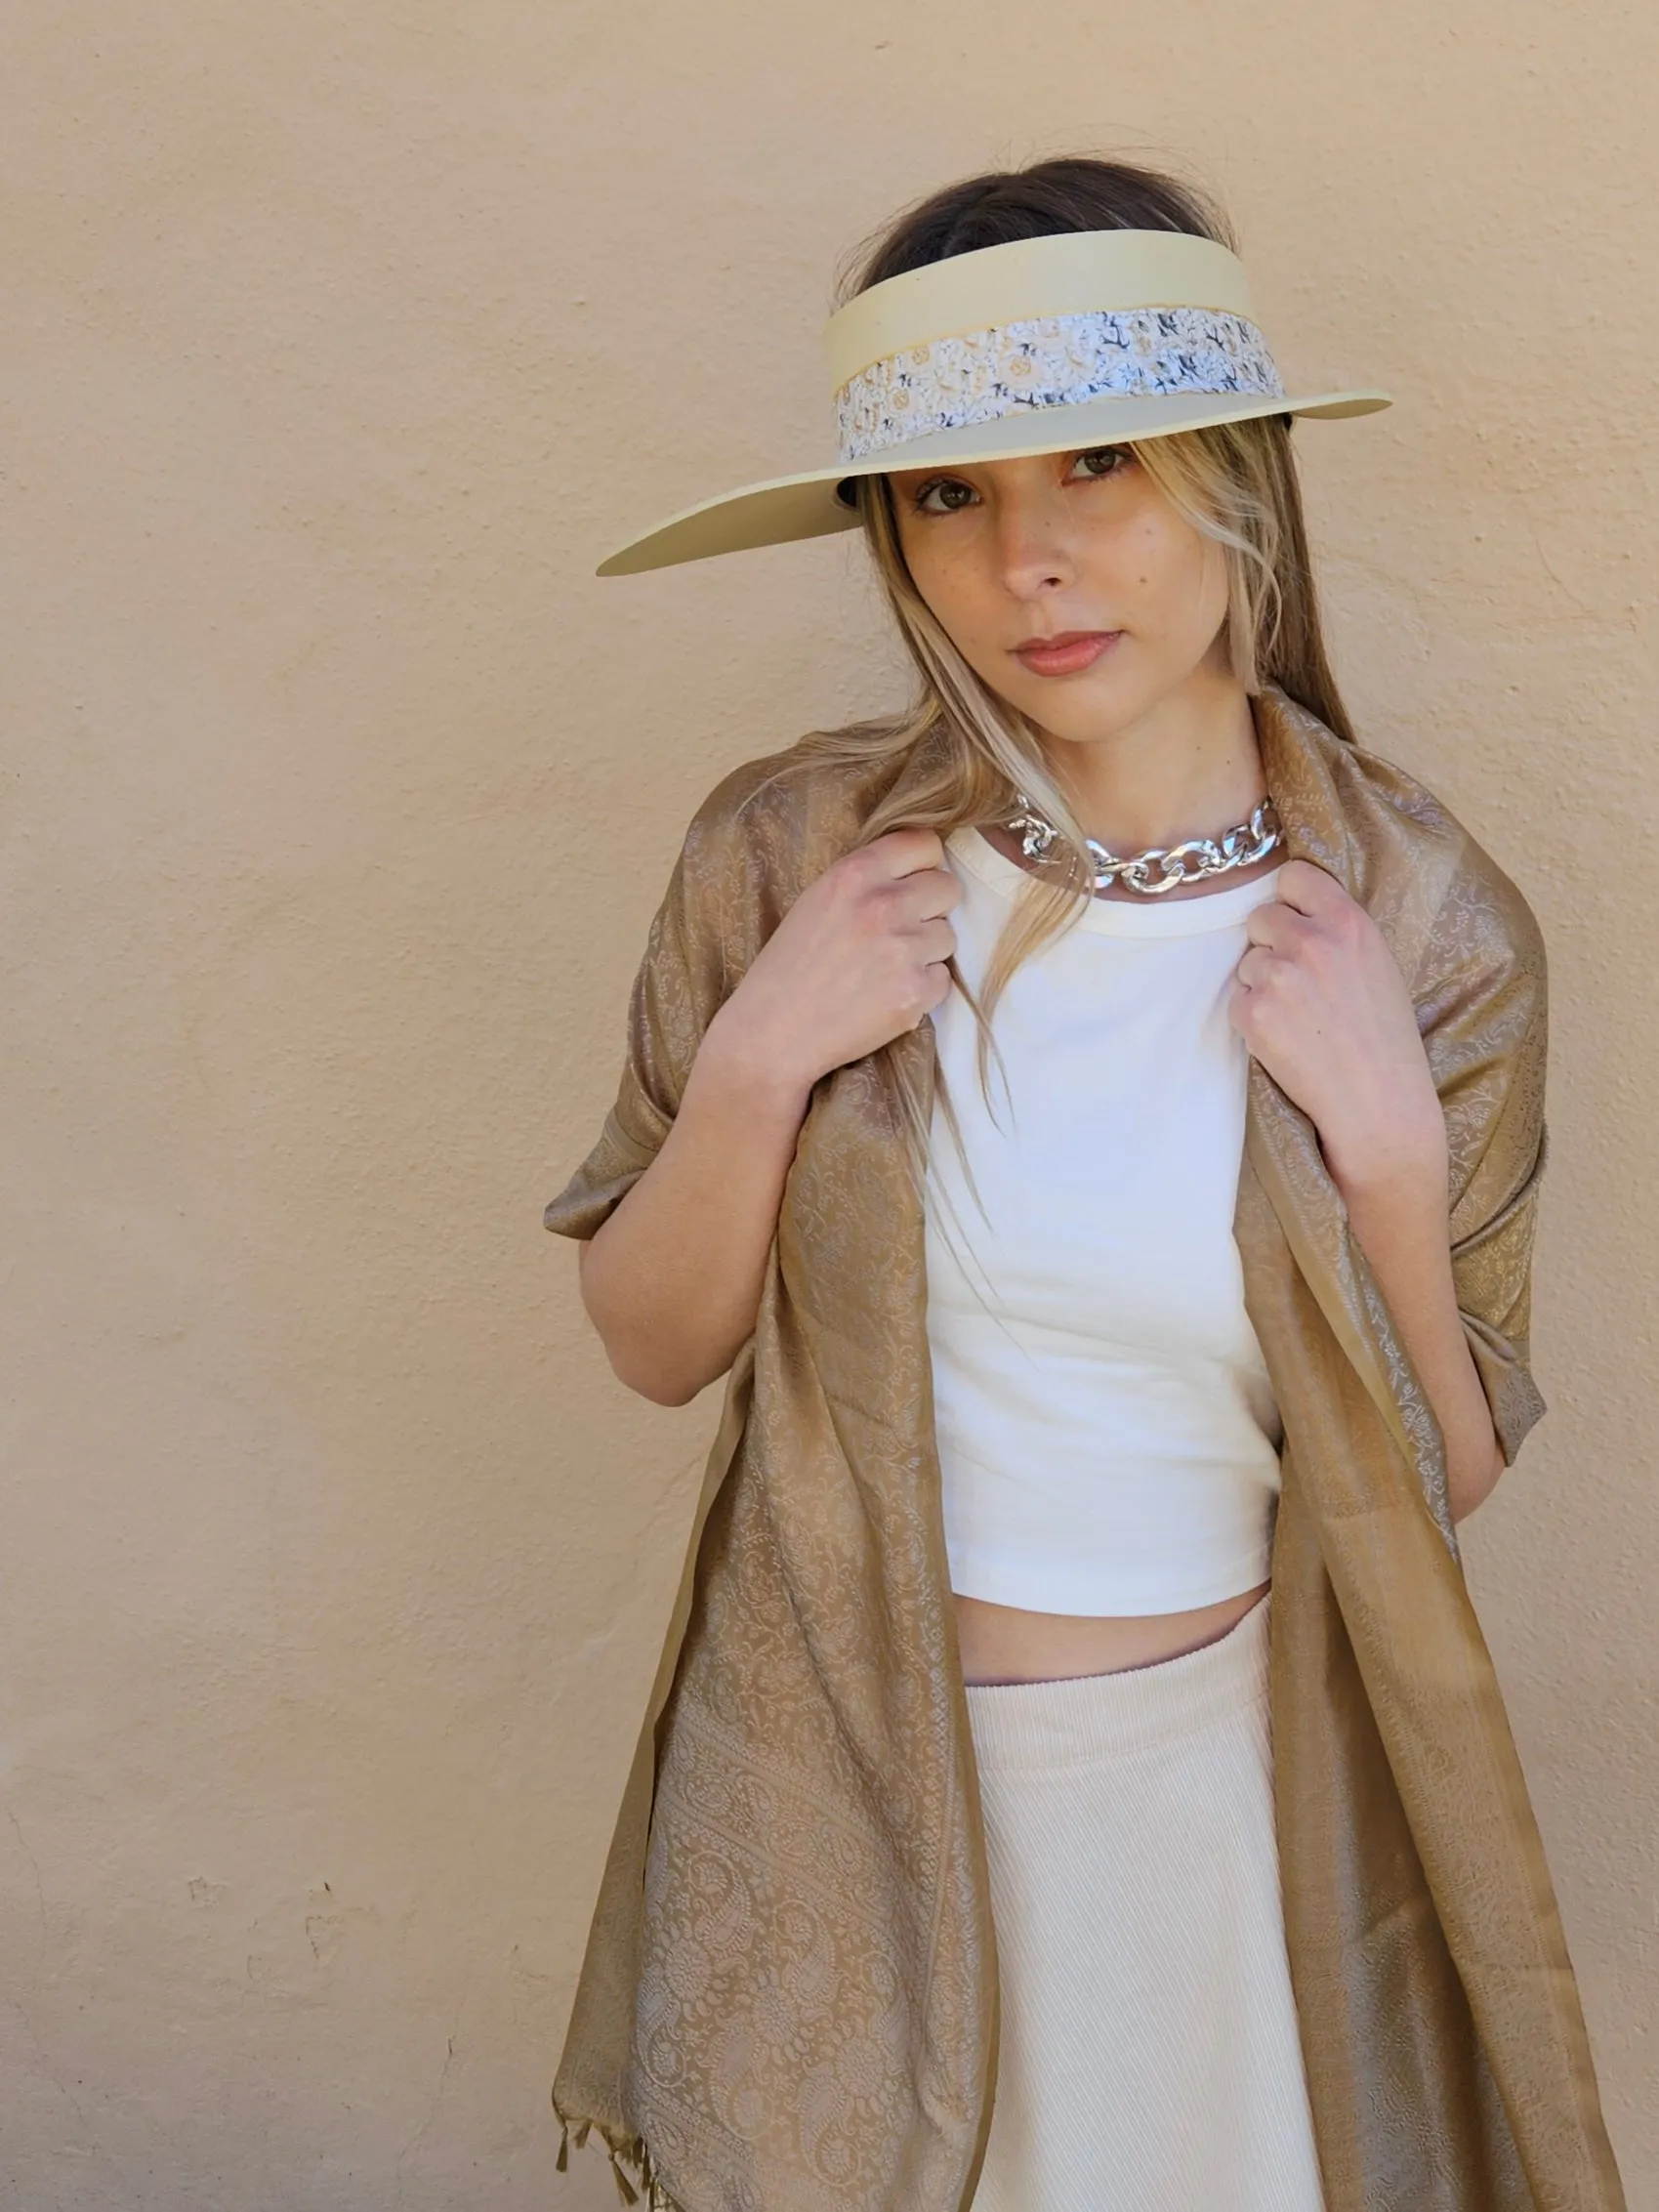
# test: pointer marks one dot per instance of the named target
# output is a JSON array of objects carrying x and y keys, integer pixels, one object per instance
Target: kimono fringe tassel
[{"x": 622, "y": 2150}]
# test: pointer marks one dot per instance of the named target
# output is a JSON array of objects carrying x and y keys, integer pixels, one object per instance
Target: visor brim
[{"x": 784, "y": 509}]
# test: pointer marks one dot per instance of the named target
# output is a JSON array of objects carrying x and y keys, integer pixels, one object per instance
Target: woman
[{"x": 1074, "y": 1773}]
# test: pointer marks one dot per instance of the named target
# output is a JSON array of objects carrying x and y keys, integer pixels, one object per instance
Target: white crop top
[{"x": 1109, "y": 1438}]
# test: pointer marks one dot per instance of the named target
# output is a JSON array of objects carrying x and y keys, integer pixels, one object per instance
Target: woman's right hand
[
  {"x": 858, "y": 958},
  {"x": 672, "y": 1280}
]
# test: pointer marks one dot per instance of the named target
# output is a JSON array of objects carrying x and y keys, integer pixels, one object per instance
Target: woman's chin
[{"x": 1081, "y": 711}]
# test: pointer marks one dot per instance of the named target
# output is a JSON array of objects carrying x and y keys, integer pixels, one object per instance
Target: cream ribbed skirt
[{"x": 1149, "y": 2060}]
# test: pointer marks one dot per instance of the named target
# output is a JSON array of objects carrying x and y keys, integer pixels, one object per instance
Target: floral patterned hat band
[
  {"x": 1038, "y": 345},
  {"x": 1052, "y": 360}
]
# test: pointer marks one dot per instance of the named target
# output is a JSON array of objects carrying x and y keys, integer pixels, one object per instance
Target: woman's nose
[{"x": 1033, "y": 547}]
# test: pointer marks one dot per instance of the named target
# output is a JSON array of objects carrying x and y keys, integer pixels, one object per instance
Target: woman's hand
[
  {"x": 672, "y": 1280},
  {"x": 858, "y": 958},
  {"x": 1321, "y": 1003}
]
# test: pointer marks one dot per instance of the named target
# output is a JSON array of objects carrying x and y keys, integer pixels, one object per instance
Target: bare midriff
[{"x": 1007, "y": 1643}]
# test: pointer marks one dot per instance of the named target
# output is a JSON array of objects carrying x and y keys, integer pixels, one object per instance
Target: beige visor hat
[{"x": 1039, "y": 345}]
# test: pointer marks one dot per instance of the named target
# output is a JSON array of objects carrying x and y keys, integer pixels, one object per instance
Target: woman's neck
[{"x": 1189, "y": 767}]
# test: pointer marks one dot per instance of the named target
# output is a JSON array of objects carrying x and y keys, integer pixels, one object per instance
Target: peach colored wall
[{"x": 339, "y": 345}]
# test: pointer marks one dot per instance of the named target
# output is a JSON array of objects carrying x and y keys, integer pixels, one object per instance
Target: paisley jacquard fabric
[{"x": 788, "y": 2001}]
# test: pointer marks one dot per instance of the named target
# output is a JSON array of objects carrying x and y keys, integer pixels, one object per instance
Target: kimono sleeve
[
  {"x": 1487, "y": 1040},
  {"x": 680, "y": 984}
]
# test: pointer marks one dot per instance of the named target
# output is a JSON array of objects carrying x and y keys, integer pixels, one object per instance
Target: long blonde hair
[{"x": 1235, "y": 483}]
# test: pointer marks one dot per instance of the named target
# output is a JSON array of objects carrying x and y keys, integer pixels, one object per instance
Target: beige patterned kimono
[{"x": 789, "y": 1996}]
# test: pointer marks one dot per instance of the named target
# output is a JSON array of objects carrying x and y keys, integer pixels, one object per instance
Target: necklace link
[{"x": 1187, "y": 863}]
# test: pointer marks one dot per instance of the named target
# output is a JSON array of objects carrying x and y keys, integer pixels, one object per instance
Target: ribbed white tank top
[{"x": 1107, "y": 1435}]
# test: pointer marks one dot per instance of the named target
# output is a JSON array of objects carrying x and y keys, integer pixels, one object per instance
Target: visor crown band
[{"x": 1055, "y": 360}]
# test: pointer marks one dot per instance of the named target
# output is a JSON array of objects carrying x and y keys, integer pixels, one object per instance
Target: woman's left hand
[{"x": 1321, "y": 1003}]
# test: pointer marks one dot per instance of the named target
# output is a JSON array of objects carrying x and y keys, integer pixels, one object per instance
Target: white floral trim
[{"x": 1046, "y": 361}]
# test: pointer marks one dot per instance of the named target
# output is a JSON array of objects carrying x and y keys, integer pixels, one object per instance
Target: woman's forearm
[
  {"x": 672, "y": 1282},
  {"x": 1400, "y": 1222}
]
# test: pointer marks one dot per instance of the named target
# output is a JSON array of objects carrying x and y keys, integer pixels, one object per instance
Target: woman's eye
[
  {"x": 945, "y": 485},
  {"x": 1113, "y": 456},
  {"x": 948, "y": 495}
]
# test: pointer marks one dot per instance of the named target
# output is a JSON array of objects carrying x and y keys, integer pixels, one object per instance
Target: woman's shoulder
[
  {"x": 1464, "y": 921},
  {"x": 787, "y": 813}
]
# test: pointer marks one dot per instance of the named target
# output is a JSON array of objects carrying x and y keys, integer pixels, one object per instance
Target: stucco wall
[{"x": 336, "y": 795}]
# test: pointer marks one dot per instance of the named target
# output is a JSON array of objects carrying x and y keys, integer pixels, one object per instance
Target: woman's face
[{"x": 1005, "y": 552}]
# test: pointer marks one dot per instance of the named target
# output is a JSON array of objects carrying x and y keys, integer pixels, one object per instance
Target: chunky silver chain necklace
[{"x": 1187, "y": 863}]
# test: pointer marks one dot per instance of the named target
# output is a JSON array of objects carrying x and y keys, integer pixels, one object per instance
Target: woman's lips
[{"x": 1066, "y": 656}]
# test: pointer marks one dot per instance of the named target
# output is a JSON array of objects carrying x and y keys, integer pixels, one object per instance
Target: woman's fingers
[
  {"x": 1256, "y": 966},
  {"x": 939, "y": 938},
  {"x": 1275, "y": 923},
  {"x": 901, "y": 851},
  {"x": 1311, "y": 890}
]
